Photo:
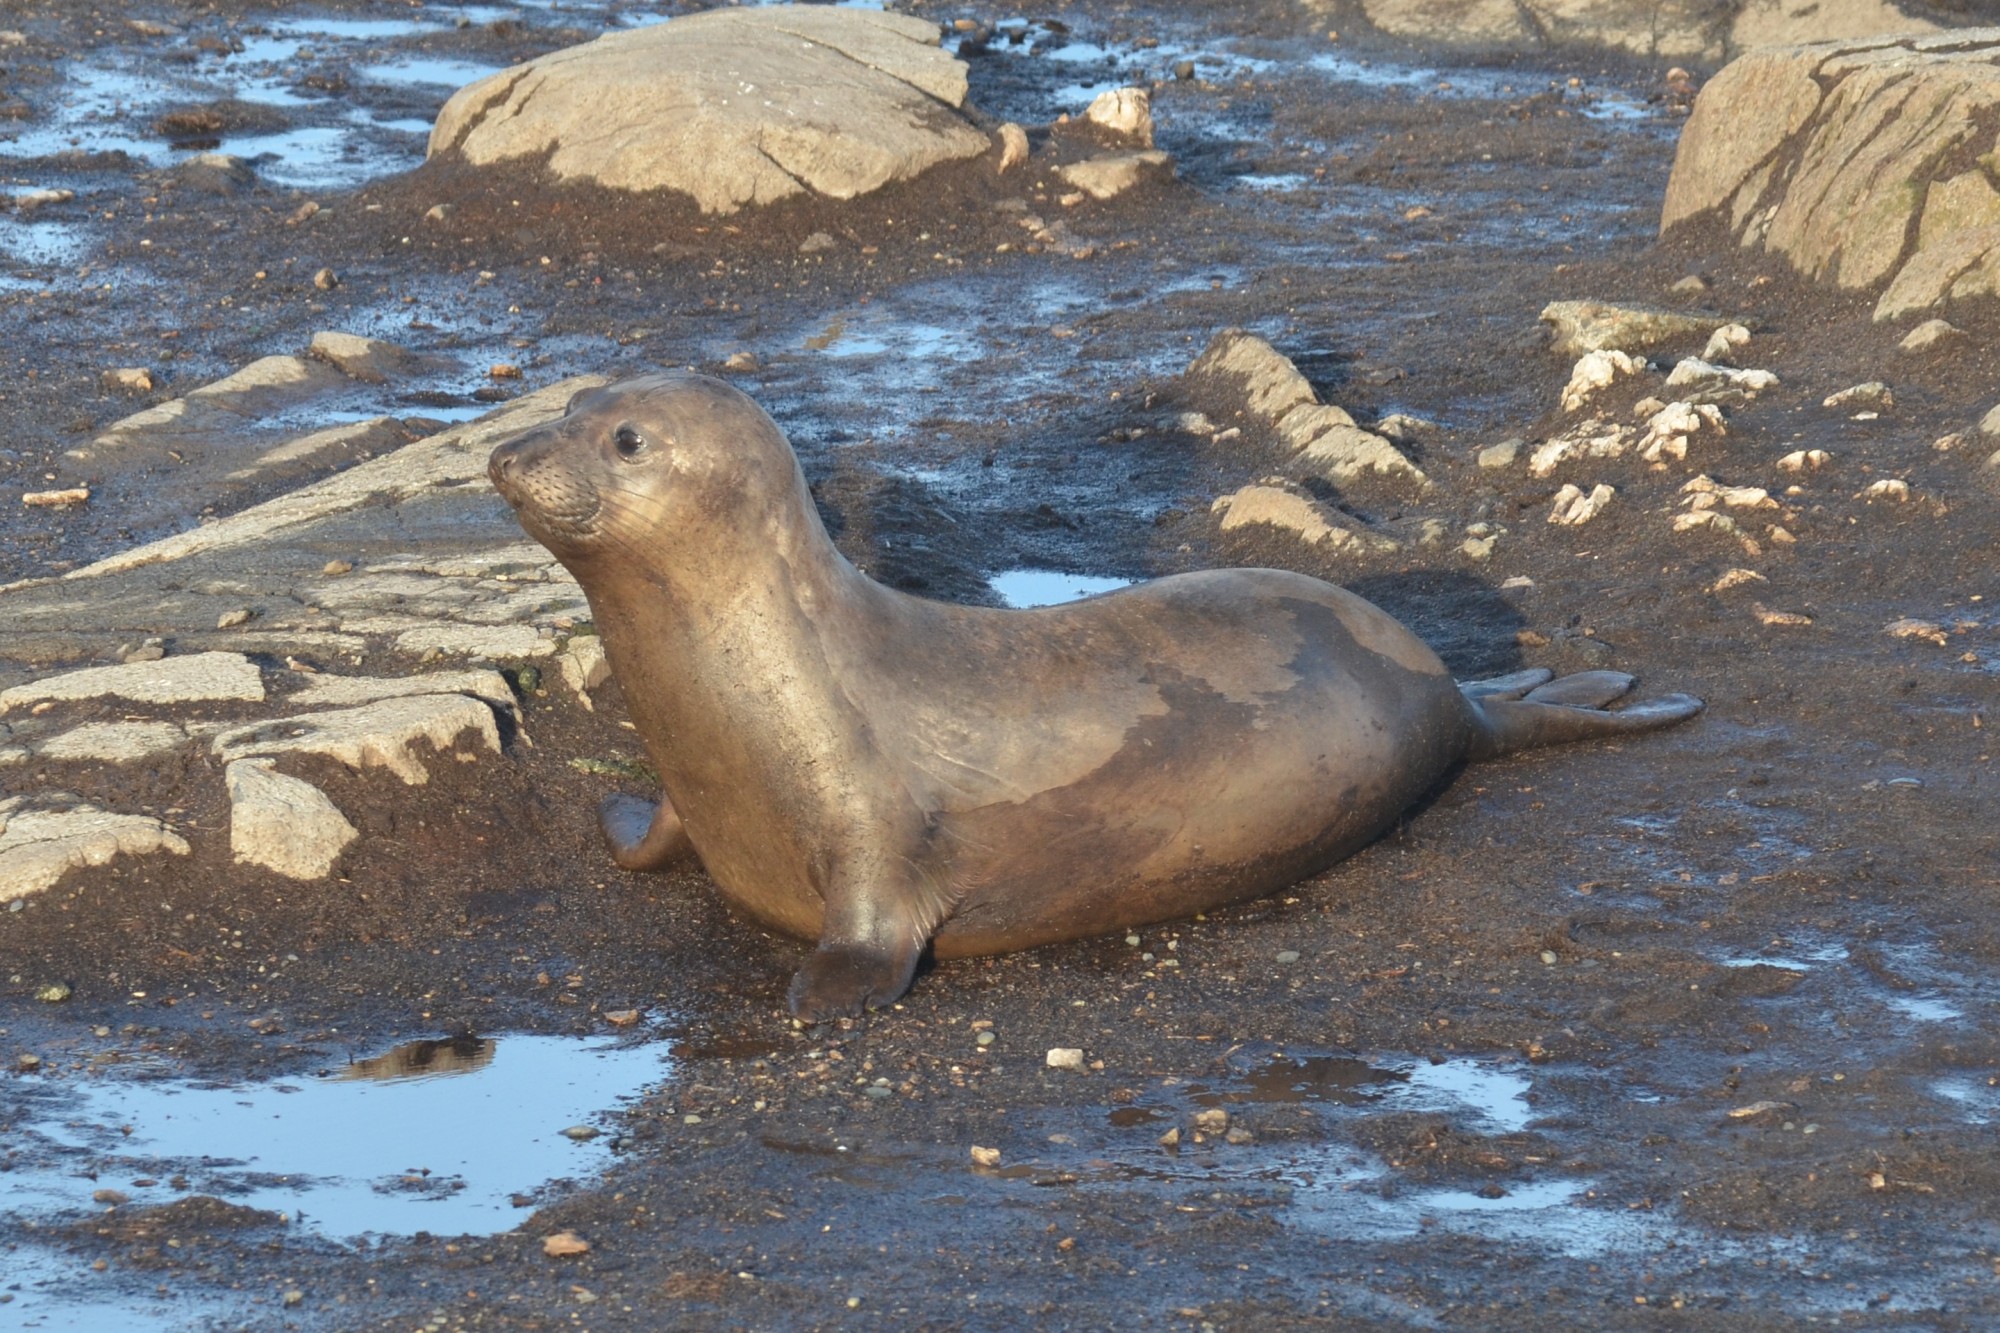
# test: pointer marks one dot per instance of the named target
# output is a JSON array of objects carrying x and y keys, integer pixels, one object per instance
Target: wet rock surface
[
  {"x": 1486, "y": 1073},
  {"x": 1673, "y": 29}
]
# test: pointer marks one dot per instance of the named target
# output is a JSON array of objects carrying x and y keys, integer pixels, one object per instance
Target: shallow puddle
[
  {"x": 1023, "y": 588},
  {"x": 450, "y": 1137}
]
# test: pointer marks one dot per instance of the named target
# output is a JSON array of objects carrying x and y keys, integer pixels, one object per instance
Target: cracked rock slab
[
  {"x": 282, "y": 823},
  {"x": 1303, "y": 517},
  {"x": 1856, "y": 162},
  {"x": 376, "y": 735},
  {"x": 39, "y": 845},
  {"x": 348, "y": 691},
  {"x": 195, "y": 678},
  {"x": 107, "y": 742},
  {"x": 733, "y": 107},
  {"x": 1596, "y": 326},
  {"x": 1109, "y": 175},
  {"x": 1269, "y": 387}
]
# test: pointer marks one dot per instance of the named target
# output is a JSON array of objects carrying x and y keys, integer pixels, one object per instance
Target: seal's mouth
[{"x": 552, "y": 504}]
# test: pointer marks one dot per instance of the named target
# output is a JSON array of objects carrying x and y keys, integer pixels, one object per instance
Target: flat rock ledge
[
  {"x": 44, "y": 837},
  {"x": 1857, "y": 162},
  {"x": 1670, "y": 29},
  {"x": 197, "y": 678},
  {"x": 733, "y": 107},
  {"x": 1262, "y": 384}
]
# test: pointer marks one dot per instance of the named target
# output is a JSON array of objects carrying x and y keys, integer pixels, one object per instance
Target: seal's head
[{"x": 650, "y": 466}]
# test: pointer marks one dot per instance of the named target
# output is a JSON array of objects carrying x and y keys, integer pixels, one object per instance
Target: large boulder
[
  {"x": 1861, "y": 163},
  {"x": 731, "y": 106},
  {"x": 1668, "y": 29}
]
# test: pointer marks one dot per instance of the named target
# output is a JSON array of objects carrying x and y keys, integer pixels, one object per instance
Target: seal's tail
[{"x": 1528, "y": 709}]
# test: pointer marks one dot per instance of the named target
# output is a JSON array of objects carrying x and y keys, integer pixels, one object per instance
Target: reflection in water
[
  {"x": 424, "y": 1059},
  {"x": 388, "y": 1144}
]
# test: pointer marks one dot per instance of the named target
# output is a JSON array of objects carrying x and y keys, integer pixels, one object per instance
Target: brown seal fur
[{"x": 884, "y": 773}]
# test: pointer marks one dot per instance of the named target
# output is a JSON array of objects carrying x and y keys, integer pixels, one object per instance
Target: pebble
[
  {"x": 326, "y": 280},
  {"x": 1928, "y": 335},
  {"x": 74, "y": 495},
  {"x": 1238, "y": 1135},
  {"x": 740, "y": 361},
  {"x": 1211, "y": 1120},
  {"x": 1184, "y": 70},
  {"x": 231, "y": 619},
  {"x": 1013, "y": 145},
  {"x": 150, "y": 650},
  {"x": 984, "y": 1039},
  {"x": 437, "y": 212},
  {"x": 564, "y": 1244},
  {"x": 582, "y": 1133},
  {"x": 1172, "y": 1138},
  {"x": 25, "y": 1060},
  {"x": 1132, "y": 940},
  {"x": 110, "y": 1197},
  {"x": 293, "y": 1296},
  {"x": 127, "y": 379},
  {"x": 1548, "y": 957},
  {"x": 53, "y": 993},
  {"x": 504, "y": 370},
  {"x": 1496, "y": 456},
  {"x": 333, "y": 568},
  {"x": 1288, "y": 955},
  {"x": 1874, "y": 395},
  {"x": 988, "y": 1157},
  {"x": 1065, "y": 1057},
  {"x": 621, "y": 1018}
]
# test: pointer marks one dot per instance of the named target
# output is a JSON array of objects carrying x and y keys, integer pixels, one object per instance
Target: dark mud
[{"x": 1696, "y": 1029}]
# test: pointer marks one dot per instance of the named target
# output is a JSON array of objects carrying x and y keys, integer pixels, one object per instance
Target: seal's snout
[{"x": 500, "y": 468}]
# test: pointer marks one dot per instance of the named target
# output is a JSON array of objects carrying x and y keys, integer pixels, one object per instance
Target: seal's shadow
[{"x": 1465, "y": 619}]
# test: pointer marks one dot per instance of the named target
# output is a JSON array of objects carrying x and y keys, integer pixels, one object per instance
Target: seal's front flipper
[
  {"x": 642, "y": 835},
  {"x": 870, "y": 940}
]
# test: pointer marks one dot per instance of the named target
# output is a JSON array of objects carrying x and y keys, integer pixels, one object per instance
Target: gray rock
[
  {"x": 1988, "y": 425},
  {"x": 1677, "y": 29},
  {"x": 113, "y": 742},
  {"x": 506, "y": 642},
  {"x": 42, "y": 839},
  {"x": 1928, "y": 335},
  {"x": 1303, "y": 517},
  {"x": 1324, "y": 437},
  {"x": 733, "y": 107},
  {"x": 1592, "y": 326},
  {"x": 370, "y": 360},
  {"x": 584, "y": 666},
  {"x": 1125, "y": 112},
  {"x": 329, "y": 691},
  {"x": 215, "y": 173},
  {"x": 1846, "y": 160},
  {"x": 1873, "y": 396},
  {"x": 197, "y": 678},
  {"x": 376, "y": 735},
  {"x": 282, "y": 823},
  {"x": 1109, "y": 175},
  {"x": 1013, "y": 145},
  {"x": 1494, "y": 457}
]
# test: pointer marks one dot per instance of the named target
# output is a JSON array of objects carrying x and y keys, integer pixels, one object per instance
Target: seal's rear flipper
[
  {"x": 1506, "y": 725},
  {"x": 1511, "y": 686},
  {"x": 642, "y": 835},
  {"x": 1585, "y": 689}
]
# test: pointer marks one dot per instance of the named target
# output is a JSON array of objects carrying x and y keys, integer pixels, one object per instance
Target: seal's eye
[{"x": 629, "y": 443}]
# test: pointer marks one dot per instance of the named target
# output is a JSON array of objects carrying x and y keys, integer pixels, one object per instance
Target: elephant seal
[{"x": 883, "y": 773}]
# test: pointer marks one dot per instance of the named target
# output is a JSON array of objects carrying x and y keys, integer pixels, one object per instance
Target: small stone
[
  {"x": 150, "y": 650},
  {"x": 1779, "y": 619},
  {"x": 1692, "y": 285},
  {"x": 1736, "y": 578},
  {"x": 1126, "y": 112},
  {"x": 111, "y": 1198},
  {"x": 74, "y": 495},
  {"x": 817, "y": 242},
  {"x": 1990, "y": 423},
  {"x": 878, "y": 1090},
  {"x": 621, "y": 1018},
  {"x": 1502, "y": 455},
  {"x": 582, "y": 1133},
  {"x": 1171, "y": 1139},
  {"x": 370, "y": 360},
  {"x": 1802, "y": 460},
  {"x": 740, "y": 361},
  {"x": 1132, "y": 940},
  {"x": 53, "y": 993},
  {"x": 1288, "y": 955},
  {"x": 564, "y": 1245},
  {"x": 1885, "y": 488},
  {"x": 326, "y": 280},
  {"x": 231, "y": 619},
  {"x": 29, "y": 200},
  {"x": 984, "y": 1039},
  {"x": 302, "y": 213},
  {"x": 1065, "y": 1057},
  {"x": 1013, "y": 146},
  {"x": 1112, "y": 174},
  {"x": 1238, "y": 1135},
  {"x": 1873, "y": 396},
  {"x": 1722, "y": 344},
  {"x": 1548, "y": 958},
  {"x": 1910, "y": 628},
  {"x": 1596, "y": 370},
  {"x": 335, "y": 568},
  {"x": 987, "y": 1157},
  {"x": 437, "y": 212},
  {"x": 1928, "y": 335},
  {"x": 504, "y": 370},
  {"x": 293, "y": 1296},
  {"x": 127, "y": 379},
  {"x": 1211, "y": 1120},
  {"x": 1573, "y": 508},
  {"x": 27, "y": 1060}
]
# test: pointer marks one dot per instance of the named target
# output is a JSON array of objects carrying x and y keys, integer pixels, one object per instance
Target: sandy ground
[{"x": 1696, "y": 1028}]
